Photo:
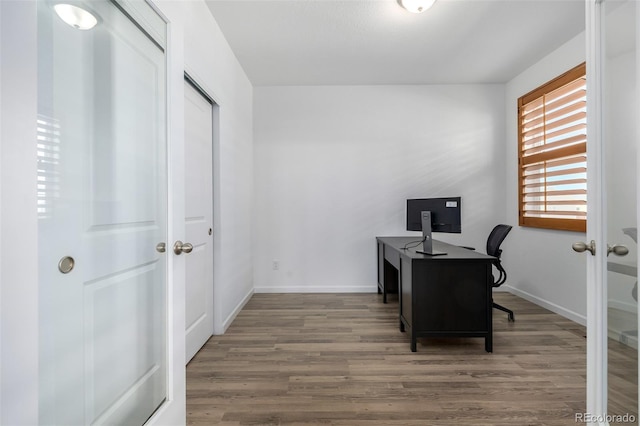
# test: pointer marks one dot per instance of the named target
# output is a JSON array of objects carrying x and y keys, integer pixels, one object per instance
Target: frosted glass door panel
[{"x": 620, "y": 147}]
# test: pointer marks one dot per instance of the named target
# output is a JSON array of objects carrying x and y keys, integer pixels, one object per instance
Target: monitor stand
[{"x": 427, "y": 242}]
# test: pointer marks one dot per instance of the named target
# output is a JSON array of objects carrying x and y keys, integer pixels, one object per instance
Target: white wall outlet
[{"x": 275, "y": 265}]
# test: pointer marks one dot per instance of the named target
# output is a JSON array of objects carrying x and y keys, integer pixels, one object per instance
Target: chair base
[{"x": 508, "y": 311}]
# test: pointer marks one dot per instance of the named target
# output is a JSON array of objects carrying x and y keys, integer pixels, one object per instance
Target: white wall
[
  {"x": 210, "y": 61},
  {"x": 334, "y": 167},
  {"x": 542, "y": 266}
]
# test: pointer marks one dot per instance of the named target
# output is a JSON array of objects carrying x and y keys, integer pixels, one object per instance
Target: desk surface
[{"x": 454, "y": 253}]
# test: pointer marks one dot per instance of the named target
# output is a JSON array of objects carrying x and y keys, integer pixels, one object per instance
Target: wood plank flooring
[{"x": 340, "y": 359}]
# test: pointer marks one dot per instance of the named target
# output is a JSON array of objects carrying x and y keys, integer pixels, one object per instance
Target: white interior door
[
  {"x": 102, "y": 206},
  {"x": 198, "y": 118}
]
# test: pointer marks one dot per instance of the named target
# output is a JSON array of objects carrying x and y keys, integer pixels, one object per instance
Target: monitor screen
[{"x": 445, "y": 214}]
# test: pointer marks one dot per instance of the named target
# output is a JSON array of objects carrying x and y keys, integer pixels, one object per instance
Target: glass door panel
[{"x": 620, "y": 112}]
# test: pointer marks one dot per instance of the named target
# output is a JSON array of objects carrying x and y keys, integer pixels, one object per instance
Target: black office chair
[
  {"x": 496, "y": 237},
  {"x": 633, "y": 233}
]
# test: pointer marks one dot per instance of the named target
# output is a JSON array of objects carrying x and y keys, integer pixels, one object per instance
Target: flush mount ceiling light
[
  {"x": 75, "y": 16},
  {"x": 416, "y": 6}
]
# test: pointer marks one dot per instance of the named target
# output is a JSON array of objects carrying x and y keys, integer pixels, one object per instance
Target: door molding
[
  {"x": 596, "y": 265},
  {"x": 638, "y": 162},
  {"x": 198, "y": 88},
  {"x": 173, "y": 411}
]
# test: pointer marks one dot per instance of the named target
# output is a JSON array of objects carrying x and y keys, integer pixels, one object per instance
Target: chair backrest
[
  {"x": 496, "y": 237},
  {"x": 632, "y": 232}
]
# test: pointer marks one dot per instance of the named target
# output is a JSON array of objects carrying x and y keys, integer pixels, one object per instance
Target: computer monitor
[{"x": 445, "y": 214}]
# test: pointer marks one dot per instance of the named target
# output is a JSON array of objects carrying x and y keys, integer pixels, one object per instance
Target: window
[{"x": 552, "y": 159}]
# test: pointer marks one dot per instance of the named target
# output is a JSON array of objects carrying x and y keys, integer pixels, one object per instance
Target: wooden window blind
[{"x": 552, "y": 129}]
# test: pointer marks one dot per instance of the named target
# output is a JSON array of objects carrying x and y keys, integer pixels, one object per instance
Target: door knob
[
  {"x": 179, "y": 247},
  {"x": 617, "y": 249},
  {"x": 161, "y": 247},
  {"x": 66, "y": 264},
  {"x": 581, "y": 247}
]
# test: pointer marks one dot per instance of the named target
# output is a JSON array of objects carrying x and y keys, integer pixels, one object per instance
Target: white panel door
[
  {"x": 102, "y": 182},
  {"x": 198, "y": 119}
]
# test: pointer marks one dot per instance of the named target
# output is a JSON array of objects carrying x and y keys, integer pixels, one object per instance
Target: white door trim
[
  {"x": 596, "y": 231},
  {"x": 638, "y": 163},
  {"x": 173, "y": 411}
]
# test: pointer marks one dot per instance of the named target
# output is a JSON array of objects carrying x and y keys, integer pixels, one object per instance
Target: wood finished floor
[{"x": 340, "y": 359}]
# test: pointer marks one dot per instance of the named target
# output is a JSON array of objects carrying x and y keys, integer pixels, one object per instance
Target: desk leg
[
  {"x": 488, "y": 343},
  {"x": 401, "y": 326},
  {"x": 413, "y": 344}
]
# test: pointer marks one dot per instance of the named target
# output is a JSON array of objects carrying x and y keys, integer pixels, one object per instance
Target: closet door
[{"x": 198, "y": 119}]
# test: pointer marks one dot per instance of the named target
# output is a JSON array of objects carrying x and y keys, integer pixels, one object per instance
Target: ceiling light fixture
[
  {"x": 416, "y": 6},
  {"x": 76, "y": 16}
]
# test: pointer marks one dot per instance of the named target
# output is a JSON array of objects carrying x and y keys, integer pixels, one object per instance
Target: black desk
[{"x": 439, "y": 296}]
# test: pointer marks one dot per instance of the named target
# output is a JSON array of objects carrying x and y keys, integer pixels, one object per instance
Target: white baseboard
[
  {"x": 573, "y": 316},
  {"x": 317, "y": 289},
  {"x": 623, "y": 306},
  {"x": 227, "y": 322}
]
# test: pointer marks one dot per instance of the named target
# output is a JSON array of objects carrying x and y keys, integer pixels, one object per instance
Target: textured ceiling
[{"x": 351, "y": 42}]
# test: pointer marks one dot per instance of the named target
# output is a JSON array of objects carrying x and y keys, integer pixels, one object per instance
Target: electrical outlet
[
  {"x": 275, "y": 265},
  {"x": 624, "y": 339}
]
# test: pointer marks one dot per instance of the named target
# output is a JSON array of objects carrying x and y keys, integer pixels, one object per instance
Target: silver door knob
[
  {"x": 179, "y": 247},
  {"x": 161, "y": 247},
  {"x": 581, "y": 247},
  {"x": 66, "y": 264},
  {"x": 617, "y": 249}
]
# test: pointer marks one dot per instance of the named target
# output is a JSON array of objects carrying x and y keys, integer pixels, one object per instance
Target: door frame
[
  {"x": 173, "y": 411},
  {"x": 596, "y": 265},
  {"x": 194, "y": 78},
  {"x": 19, "y": 303}
]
